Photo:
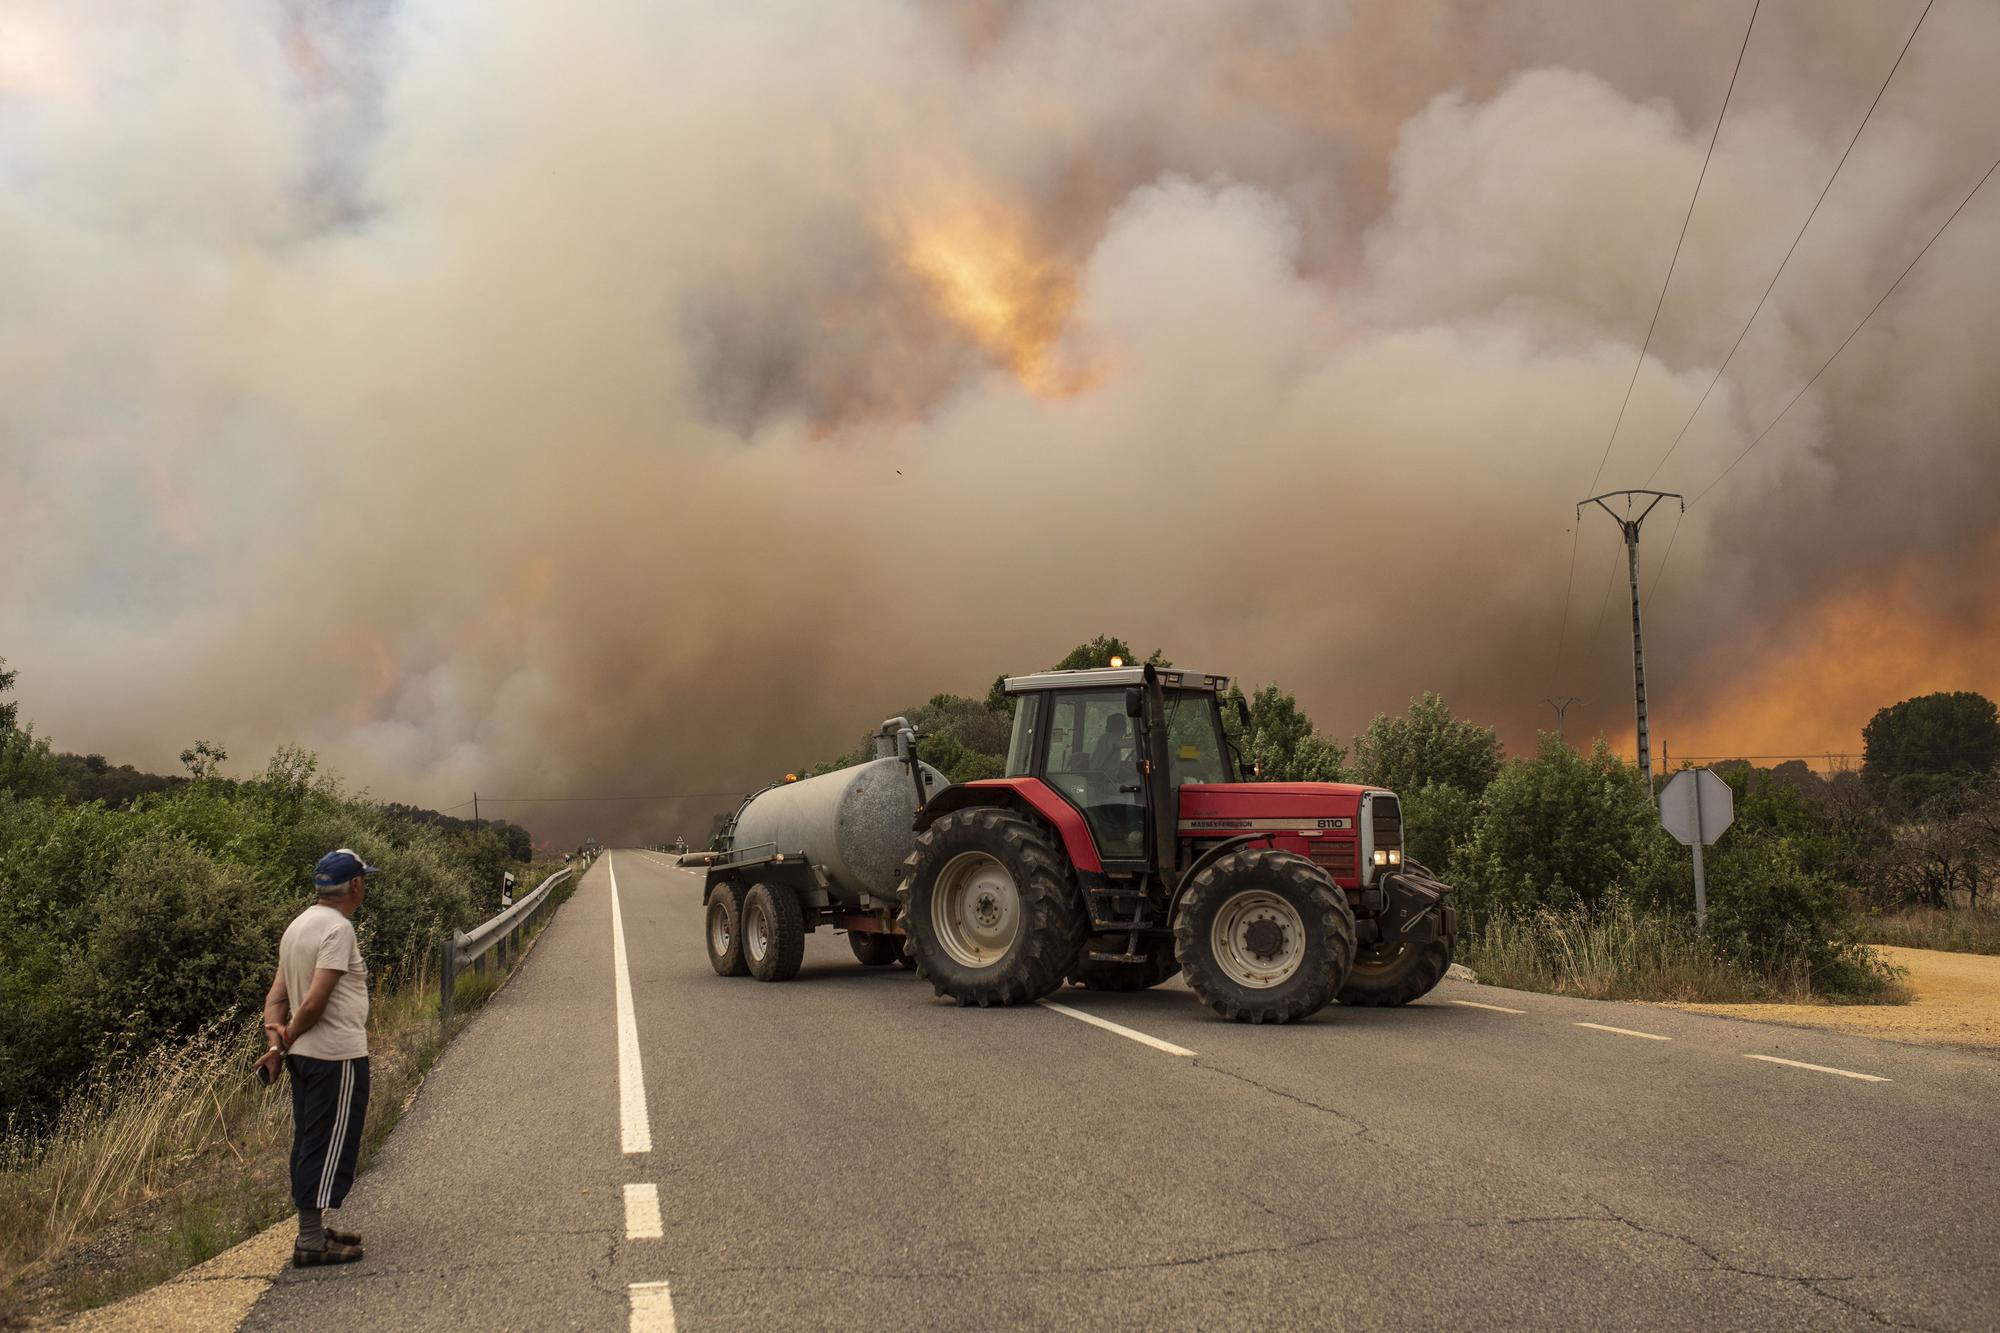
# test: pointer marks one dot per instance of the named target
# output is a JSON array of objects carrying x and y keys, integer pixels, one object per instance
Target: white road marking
[
  {"x": 652, "y": 1307},
  {"x": 633, "y": 1126},
  {"x": 1496, "y": 1008},
  {"x": 642, "y": 1212},
  {"x": 1625, "y": 1032},
  {"x": 1818, "y": 1069},
  {"x": 1118, "y": 1028}
]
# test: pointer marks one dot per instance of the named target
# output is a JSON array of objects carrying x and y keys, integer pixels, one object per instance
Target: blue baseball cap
[{"x": 337, "y": 867}]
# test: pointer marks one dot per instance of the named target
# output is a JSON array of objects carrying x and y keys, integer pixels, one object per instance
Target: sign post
[
  {"x": 1696, "y": 807},
  {"x": 507, "y": 887}
]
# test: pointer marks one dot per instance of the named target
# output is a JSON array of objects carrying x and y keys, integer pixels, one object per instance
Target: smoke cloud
[{"x": 631, "y": 399}]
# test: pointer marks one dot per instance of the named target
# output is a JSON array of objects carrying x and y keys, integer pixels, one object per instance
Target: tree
[
  {"x": 1929, "y": 742},
  {"x": 203, "y": 759},
  {"x": 1099, "y": 652},
  {"x": 1560, "y": 830},
  {"x": 1281, "y": 742},
  {"x": 9, "y": 712},
  {"x": 1427, "y": 744}
]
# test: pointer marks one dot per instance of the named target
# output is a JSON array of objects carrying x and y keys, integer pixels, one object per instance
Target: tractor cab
[{"x": 1087, "y": 734}]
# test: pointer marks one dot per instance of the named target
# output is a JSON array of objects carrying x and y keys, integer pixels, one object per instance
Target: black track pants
[{"x": 329, "y": 1102}]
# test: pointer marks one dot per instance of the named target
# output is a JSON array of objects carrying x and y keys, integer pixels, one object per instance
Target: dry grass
[
  {"x": 183, "y": 1154},
  {"x": 1957, "y": 930},
  {"x": 1618, "y": 953}
]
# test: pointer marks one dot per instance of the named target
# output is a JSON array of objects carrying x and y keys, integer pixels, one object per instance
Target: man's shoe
[
  {"x": 335, "y": 1253},
  {"x": 345, "y": 1237}
]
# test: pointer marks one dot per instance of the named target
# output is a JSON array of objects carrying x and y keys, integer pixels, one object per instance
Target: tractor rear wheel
[
  {"x": 724, "y": 930},
  {"x": 1097, "y": 974},
  {"x": 991, "y": 908},
  {"x": 1395, "y": 973},
  {"x": 1264, "y": 936},
  {"x": 874, "y": 950},
  {"x": 774, "y": 933}
]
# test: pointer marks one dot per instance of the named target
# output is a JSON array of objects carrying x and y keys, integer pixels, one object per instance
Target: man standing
[{"x": 316, "y": 1016}]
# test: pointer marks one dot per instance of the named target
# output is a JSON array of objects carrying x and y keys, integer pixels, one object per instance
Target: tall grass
[
  {"x": 1617, "y": 952},
  {"x": 1956, "y": 930}
]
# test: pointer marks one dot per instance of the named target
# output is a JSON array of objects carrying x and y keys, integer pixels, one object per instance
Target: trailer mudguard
[{"x": 1030, "y": 794}]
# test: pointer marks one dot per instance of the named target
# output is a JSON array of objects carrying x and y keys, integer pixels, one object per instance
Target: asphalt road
[{"x": 846, "y": 1151}]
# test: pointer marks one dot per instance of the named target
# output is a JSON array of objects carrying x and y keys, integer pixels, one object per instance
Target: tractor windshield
[{"x": 1194, "y": 738}]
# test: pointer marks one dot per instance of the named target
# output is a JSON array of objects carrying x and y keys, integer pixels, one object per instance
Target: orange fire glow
[
  {"x": 992, "y": 280},
  {"x": 1821, "y": 675}
]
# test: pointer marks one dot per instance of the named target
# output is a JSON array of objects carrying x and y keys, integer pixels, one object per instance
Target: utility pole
[
  {"x": 1561, "y": 706},
  {"x": 475, "y": 809},
  {"x": 1629, "y": 526}
]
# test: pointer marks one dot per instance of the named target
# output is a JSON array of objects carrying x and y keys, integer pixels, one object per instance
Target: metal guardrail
[{"x": 502, "y": 932}]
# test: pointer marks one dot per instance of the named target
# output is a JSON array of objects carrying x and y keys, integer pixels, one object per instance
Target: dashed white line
[
  {"x": 642, "y": 1212},
  {"x": 1119, "y": 1028},
  {"x": 634, "y": 1128},
  {"x": 1496, "y": 1008},
  {"x": 1625, "y": 1032},
  {"x": 652, "y": 1305},
  {"x": 1818, "y": 1069}
]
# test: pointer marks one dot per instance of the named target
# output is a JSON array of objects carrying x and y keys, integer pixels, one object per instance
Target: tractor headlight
[
  {"x": 1395, "y": 856},
  {"x": 1381, "y": 857}
]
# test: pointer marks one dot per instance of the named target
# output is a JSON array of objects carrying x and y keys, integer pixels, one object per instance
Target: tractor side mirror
[{"x": 1135, "y": 703}]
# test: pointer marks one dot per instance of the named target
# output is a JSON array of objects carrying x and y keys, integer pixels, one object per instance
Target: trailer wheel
[
  {"x": 774, "y": 933},
  {"x": 1096, "y": 974},
  {"x": 991, "y": 909},
  {"x": 1397, "y": 973},
  {"x": 723, "y": 932},
  {"x": 874, "y": 950},
  {"x": 1264, "y": 936}
]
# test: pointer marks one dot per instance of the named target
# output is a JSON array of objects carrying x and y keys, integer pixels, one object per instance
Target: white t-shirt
[{"x": 322, "y": 936}]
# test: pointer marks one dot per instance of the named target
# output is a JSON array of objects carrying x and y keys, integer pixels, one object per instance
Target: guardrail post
[{"x": 447, "y": 955}]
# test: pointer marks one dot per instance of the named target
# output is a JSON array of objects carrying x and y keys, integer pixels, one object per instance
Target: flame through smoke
[{"x": 637, "y": 399}]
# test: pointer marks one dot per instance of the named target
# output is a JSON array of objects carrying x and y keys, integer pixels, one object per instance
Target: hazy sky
[{"x": 629, "y": 398}]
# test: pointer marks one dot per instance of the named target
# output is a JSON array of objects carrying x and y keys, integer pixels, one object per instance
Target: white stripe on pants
[{"x": 336, "y": 1140}]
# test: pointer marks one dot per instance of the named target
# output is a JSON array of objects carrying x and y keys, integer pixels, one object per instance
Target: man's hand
[{"x": 270, "y": 1063}]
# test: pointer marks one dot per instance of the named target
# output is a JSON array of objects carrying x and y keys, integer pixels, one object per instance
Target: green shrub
[
  {"x": 1559, "y": 830},
  {"x": 180, "y": 941},
  {"x": 1438, "y": 820}
]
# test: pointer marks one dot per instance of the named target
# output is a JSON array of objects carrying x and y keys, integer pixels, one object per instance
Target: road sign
[
  {"x": 507, "y": 888},
  {"x": 1696, "y": 807}
]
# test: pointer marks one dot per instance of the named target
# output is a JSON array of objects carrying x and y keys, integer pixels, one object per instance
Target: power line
[
  {"x": 1851, "y": 333},
  {"x": 1742, "y": 333},
  {"x": 1562, "y": 634},
  {"x": 1692, "y": 199}
]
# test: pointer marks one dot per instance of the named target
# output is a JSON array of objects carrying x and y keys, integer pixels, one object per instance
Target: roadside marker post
[{"x": 1697, "y": 807}]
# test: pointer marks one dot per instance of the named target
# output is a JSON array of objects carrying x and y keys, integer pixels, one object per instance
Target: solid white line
[
  {"x": 1625, "y": 1032},
  {"x": 652, "y": 1307},
  {"x": 1818, "y": 1069},
  {"x": 633, "y": 1126},
  {"x": 1118, "y": 1028},
  {"x": 642, "y": 1212},
  {"x": 1496, "y": 1008}
]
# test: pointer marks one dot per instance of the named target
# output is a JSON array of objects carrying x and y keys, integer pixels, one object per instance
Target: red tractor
[{"x": 1122, "y": 848}]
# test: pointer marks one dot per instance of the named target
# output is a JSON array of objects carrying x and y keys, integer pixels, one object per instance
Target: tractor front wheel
[
  {"x": 990, "y": 907},
  {"x": 1389, "y": 974},
  {"x": 1264, "y": 936}
]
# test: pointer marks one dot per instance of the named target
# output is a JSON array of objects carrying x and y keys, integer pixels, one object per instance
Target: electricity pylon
[{"x": 1629, "y": 526}]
